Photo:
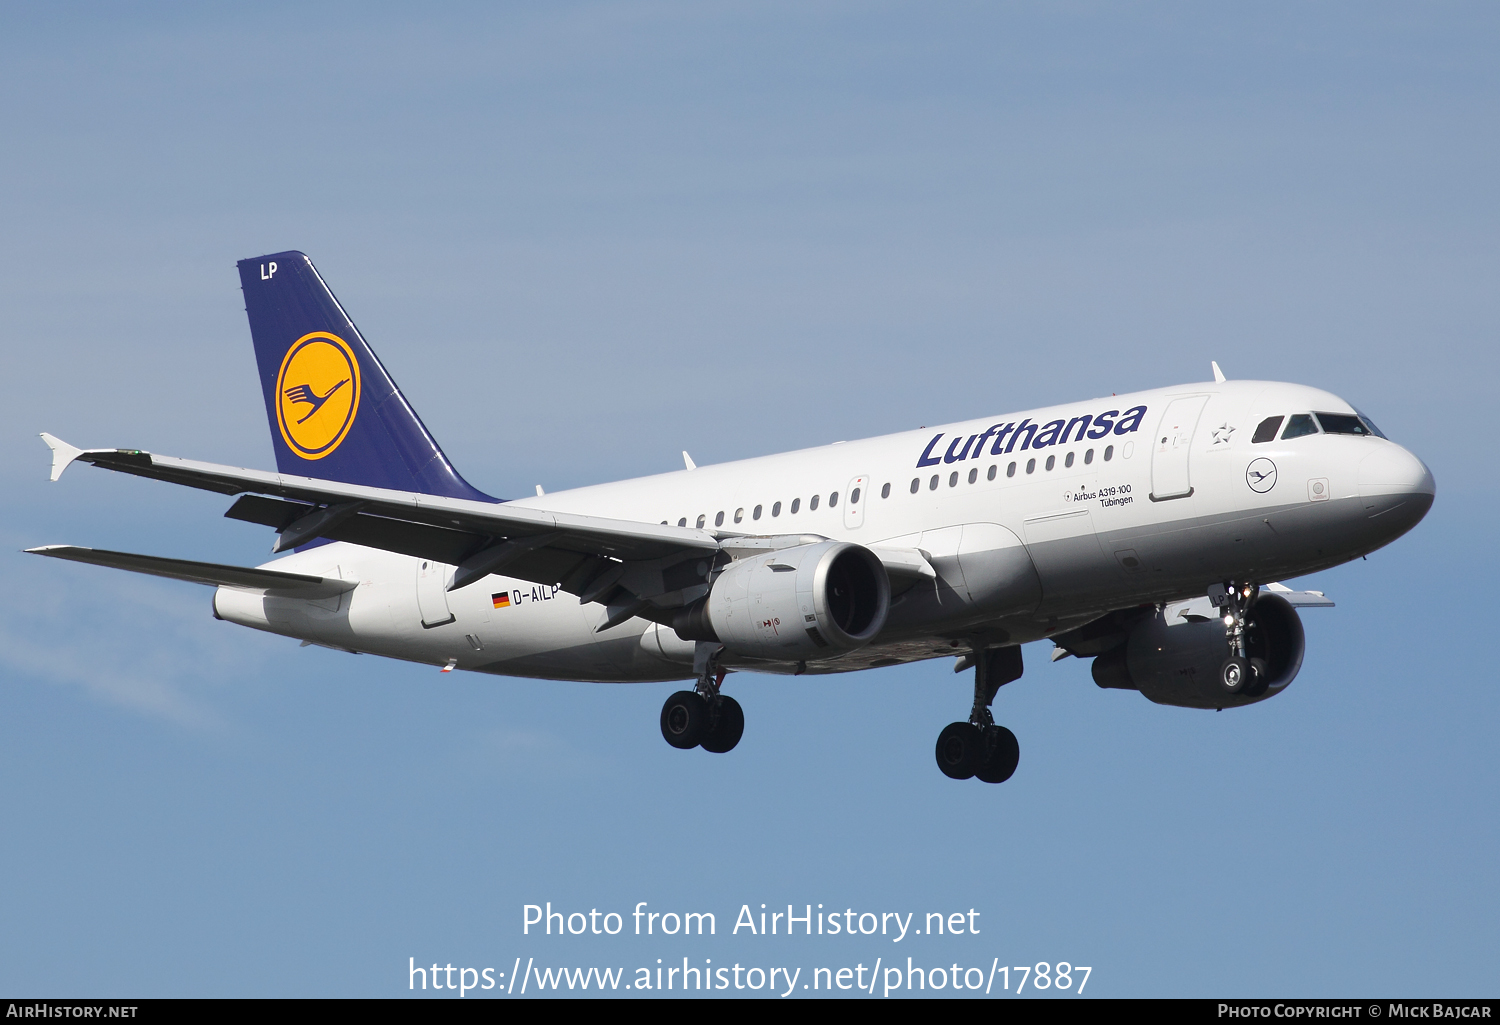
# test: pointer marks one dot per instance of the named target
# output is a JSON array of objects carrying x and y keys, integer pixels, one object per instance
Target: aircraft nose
[
  {"x": 1391, "y": 470},
  {"x": 1391, "y": 478}
]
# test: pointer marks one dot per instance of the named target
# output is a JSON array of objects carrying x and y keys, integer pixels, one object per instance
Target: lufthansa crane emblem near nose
[{"x": 1261, "y": 475}]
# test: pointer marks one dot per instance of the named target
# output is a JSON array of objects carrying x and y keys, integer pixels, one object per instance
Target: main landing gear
[
  {"x": 979, "y": 747},
  {"x": 704, "y": 717},
  {"x": 1240, "y": 674}
]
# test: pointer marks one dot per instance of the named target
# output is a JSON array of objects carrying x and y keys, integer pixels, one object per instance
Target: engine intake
[
  {"x": 1178, "y": 663},
  {"x": 796, "y": 604}
]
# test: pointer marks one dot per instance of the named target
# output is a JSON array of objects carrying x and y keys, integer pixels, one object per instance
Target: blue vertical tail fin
[{"x": 335, "y": 413}]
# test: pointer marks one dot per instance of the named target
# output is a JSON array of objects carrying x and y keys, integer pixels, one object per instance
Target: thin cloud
[{"x": 126, "y": 641}]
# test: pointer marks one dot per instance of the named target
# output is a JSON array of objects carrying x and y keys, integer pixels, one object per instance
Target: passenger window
[
  {"x": 1031, "y": 466},
  {"x": 756, "y": 514},
  {"x": 991, "y": 474},
  {"x": 719, "y": 519},
  {"x": 812, "y": 503},
  {"x": 833, "y": 499},
  {"x": 1051, "y": 462},
  {"x": 663, "y": 523},
  {"x": 953, "y": 479},
  {"x": 1010, "y": 471},
  {"x": 1267, "y": 430},
  {"x": 885, "y": 491},
  {"x": 1088, "y": 457},
  {"x": 776, "y": 509},
  {"x": 854, "y": 497},
  {"x": 1300, "y": 424},
  {"x": 973, "y": 475},
  {"x": 932, "y": 484},
  {"x": 739, "y": 514},
  {"x": 1069, "y": 460},
  {"x": 1342, "y": 423},
  {"x": 1109, "y": 452},
  {"x": 682, "y": 522},
  {"x": 796, "y": 504},
  {"x": 915, "y": 485},
  {"x": 701, "y": 519}
]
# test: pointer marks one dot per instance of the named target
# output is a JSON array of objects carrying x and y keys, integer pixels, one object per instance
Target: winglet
[
  {"x": 1218, "y": 374},
  {"x": 62, "y": 454}
]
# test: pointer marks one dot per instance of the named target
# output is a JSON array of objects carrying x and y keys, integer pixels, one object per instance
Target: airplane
[{"x": 1147, "y": 532}]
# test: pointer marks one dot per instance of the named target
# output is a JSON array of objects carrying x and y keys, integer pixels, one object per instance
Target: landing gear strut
[
  {"x": 1240, "y": 674},
  {"x": 979, "y": 747},
  {"x": 704, "y": 717}
]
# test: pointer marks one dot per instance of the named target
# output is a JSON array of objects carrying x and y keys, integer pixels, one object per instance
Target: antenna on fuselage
[
  {"x": 687, "y": 461},
  {"x": 1219, "y": 377}
]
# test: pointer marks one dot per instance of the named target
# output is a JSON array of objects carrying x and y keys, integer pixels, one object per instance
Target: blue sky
[{"x": 584, "y": 237}]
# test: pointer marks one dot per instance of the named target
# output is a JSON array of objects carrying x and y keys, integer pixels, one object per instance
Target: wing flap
[
  {"x": 272, "y": 582},
  {"x": 420, "y": 540},
  {"x": 544, "y": 564}
]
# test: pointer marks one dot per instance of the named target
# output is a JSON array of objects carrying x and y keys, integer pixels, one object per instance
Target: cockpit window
[
  {"x": 1300, "y": 424},
  {"x": 1371, "y": 425},
  {"x": 1343, "y": 423},
  {"x": 1267, "y": 430}
]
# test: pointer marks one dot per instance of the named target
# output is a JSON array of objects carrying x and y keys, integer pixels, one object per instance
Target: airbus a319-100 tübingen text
[{"x": 1146, "y": 532}]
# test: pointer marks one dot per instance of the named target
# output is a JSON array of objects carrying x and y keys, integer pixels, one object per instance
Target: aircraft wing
[
  {"x": 270, "y": 581},
  {"x": 579, "y": 552},
  {"x": 1301, "y": 599}
]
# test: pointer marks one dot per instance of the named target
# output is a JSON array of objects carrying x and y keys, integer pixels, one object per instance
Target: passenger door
[{"x": 1174, "y": 438}]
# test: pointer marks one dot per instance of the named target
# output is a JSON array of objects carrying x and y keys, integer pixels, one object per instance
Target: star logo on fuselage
[{"x": 1222, "y": 433}]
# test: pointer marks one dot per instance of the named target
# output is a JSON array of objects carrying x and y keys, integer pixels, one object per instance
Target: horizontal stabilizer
[{"x": 272, "y": 582}]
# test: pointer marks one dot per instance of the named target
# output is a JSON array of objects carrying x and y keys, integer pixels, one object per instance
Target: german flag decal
[{"x": 501, "y": 600}]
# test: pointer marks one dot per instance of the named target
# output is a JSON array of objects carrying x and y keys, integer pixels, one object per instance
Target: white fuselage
[{"x": 1026, "y": 541}]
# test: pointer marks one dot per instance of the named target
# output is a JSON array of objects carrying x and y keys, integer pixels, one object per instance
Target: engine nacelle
[
  {"x": 799, "y": 604},
  {"x": 1178, "y": 663}
]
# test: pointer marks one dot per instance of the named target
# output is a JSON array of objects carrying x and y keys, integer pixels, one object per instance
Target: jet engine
[
  {"x": 808, "y": 602},
  {"x": 1175, "y": 659}
]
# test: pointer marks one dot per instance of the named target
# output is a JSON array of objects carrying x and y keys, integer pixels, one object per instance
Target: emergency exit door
[
  {"x": 856, "y": 497},
  {"x": 1170, "y": 474}
]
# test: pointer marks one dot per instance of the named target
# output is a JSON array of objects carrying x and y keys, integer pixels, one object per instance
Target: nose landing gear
[
  {"x": 980, "y": 748},
  {"x": 704, "y": 717},
  {"x": 1239, "y": 674}
]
